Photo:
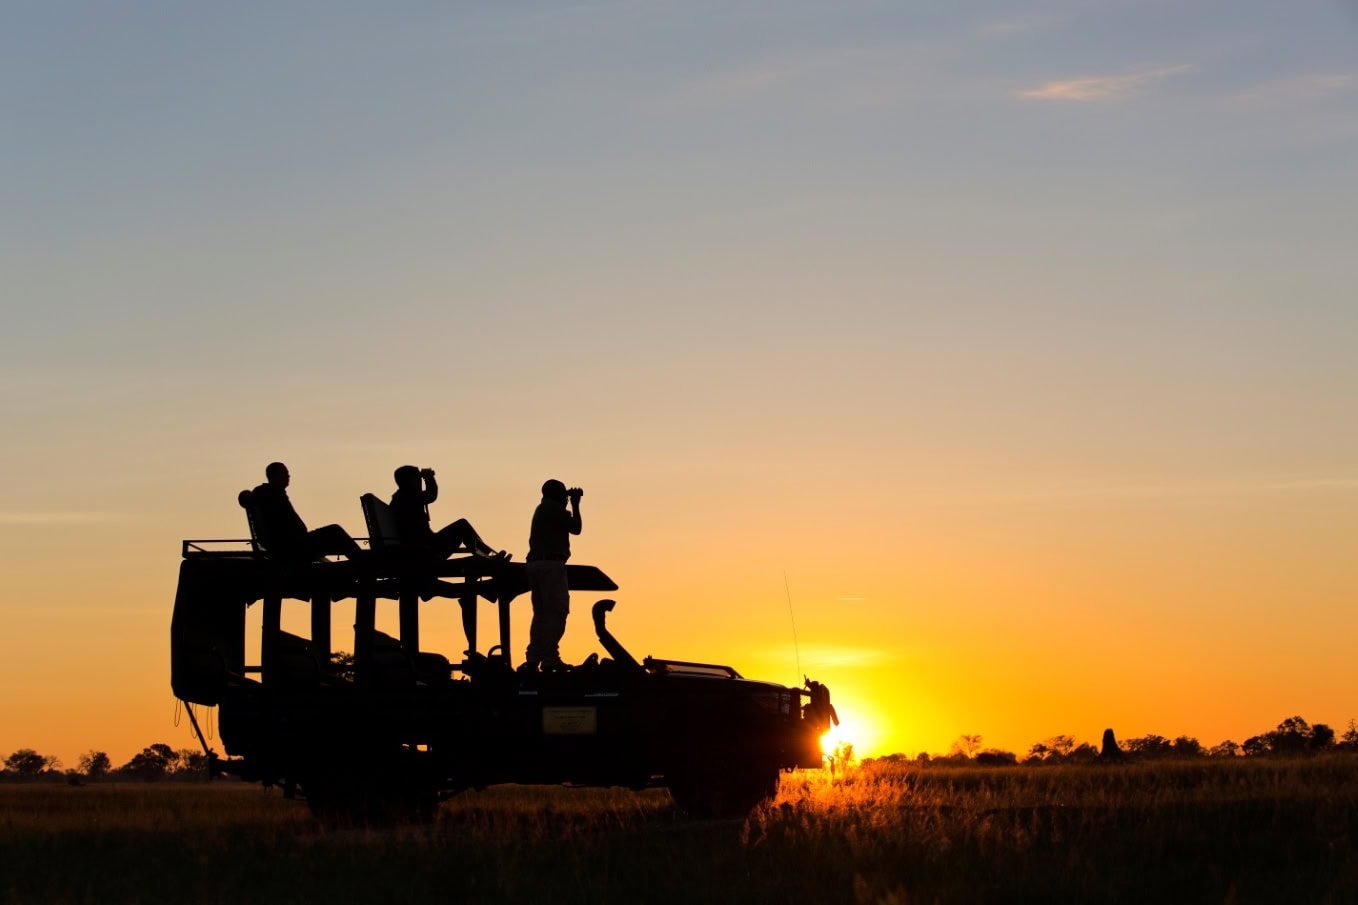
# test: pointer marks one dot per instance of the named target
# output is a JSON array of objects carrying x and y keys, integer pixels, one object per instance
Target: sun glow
[
  {"x": 832, "y": 740},
  {"x": 860, "y": 725}
]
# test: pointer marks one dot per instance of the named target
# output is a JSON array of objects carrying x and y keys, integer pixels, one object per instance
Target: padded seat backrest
[
  {"x": 381, "y": 522},
  {"x": 246, "y": 498}
]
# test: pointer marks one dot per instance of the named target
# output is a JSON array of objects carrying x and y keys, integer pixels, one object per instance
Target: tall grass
[{"x": 1209, "y": 831}]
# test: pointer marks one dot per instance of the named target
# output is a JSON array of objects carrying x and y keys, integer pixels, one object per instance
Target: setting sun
[
  {"x": 853, "y": 732},
  {"x": 832, "y": 740},
  {"x": 861, "y": 725}
]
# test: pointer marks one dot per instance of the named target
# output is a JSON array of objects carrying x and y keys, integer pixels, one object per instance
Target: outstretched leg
[
  {"x": 332, "y": 540},
  {"x": 460, "y": 535}
]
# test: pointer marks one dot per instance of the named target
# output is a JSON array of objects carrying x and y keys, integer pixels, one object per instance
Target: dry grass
[{"x": 1241, "y": 831}]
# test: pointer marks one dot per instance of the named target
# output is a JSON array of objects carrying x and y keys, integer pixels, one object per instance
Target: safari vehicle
[{"x": 398, "y": 728}]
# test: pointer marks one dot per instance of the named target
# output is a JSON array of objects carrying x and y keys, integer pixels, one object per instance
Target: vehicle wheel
[{"x": 716, "y": 787}]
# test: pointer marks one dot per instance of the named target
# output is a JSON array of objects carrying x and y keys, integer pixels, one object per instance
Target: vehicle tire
[{"x": 715, "y": 787}]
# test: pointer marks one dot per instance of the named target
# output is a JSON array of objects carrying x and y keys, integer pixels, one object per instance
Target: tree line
[
  {"x": 1294, "y": 736},
  {"x": 153, "y": 763}
]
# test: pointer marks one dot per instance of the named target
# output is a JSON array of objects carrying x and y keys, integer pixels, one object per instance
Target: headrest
[{"x": 245, "y": 498}]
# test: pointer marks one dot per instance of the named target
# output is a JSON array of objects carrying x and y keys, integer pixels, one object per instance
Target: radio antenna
[{"x": 795, "y": 646}]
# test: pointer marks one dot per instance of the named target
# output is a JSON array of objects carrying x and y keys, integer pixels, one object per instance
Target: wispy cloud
[
  {"x": 1104, "y": 87},
  {"x": 37, "y": 519}
]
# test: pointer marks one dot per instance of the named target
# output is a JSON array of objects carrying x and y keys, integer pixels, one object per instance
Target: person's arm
[
  {"x": 431, "y": 487},
  {"x": 573, "y": 525}
]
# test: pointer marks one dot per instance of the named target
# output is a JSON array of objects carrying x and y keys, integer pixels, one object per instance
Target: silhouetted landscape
[
  {"x": 1171, "y": 821},
  {"x": 1293, "y": 736}
]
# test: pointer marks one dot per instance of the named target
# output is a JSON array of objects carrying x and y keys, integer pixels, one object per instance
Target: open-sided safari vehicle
[{"x": 391, "y": 733}]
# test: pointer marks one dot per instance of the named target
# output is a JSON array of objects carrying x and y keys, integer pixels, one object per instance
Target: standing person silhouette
[
  {"x": 281, "y": 529},
  {"x": 415, "y": 490},
  {"x": 549, "y": 546}
]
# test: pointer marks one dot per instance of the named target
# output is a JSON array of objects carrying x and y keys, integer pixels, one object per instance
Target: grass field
[{"x": 1255, "y": 830}]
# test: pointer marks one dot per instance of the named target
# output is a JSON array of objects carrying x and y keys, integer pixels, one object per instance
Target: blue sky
[{"x": 896, "y": 256}]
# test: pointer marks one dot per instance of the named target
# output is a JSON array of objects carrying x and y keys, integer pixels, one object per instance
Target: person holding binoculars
[
  {"x": 416, "y": 488},
  {"x": 549, "y": 546}
]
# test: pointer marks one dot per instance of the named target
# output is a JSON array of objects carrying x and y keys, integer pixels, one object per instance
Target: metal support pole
[
  {"x": 268, "y": 645},
  {"x": 504, "y": 630},
  {"x": 320, "y": 627},
  {"x": 365, "y": 623},
  {"x": 410, "y": 621}
]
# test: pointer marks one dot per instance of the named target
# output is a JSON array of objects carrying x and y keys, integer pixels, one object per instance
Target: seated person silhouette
[
  {"x": 282, "y": 531},
  {"x": 415, "y": 490}
]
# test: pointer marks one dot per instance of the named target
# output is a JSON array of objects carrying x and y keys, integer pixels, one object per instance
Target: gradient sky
[{"x": 1011, "y": 344}]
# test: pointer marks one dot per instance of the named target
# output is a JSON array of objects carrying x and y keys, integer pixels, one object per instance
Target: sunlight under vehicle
[{"x": 399, "y": 727}]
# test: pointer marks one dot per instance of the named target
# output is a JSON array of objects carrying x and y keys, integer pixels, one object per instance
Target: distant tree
[
  {"x": 1293, "y": 736},
  {"x": 966, "y": 745},
  {"x": 1322, "y": 737},
  {"x": 1295, "y": 724},
  {"x": 1227, "y": 748},
  {"x": 1349, "y": 740},
  {"x": 1187, "y": 746},
  {"x": 1052, "y": 750},
  {"x": 152, "y": 763},
  {"x": 95, "y": 765},
  {"x": 896, "y": 760},
  {"x": 1061, "y": 744},
  {"x": 1083, "y": 753},
  {"x": 993, "y": 757},
  {"x": 27, "y": 763},
  {"x": 192, "y": 764},
  {"x": 1149, "y": 746},
  {"x": 1256, "y": 745},
  {"x": 342, "y": 664}
]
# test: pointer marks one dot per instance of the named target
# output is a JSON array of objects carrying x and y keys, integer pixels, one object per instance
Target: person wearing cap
[{"x": 549, "y": 546}]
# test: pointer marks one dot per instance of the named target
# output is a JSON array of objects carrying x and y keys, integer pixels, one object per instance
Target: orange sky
[{"x": 1169, "y": 610}]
